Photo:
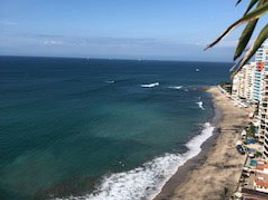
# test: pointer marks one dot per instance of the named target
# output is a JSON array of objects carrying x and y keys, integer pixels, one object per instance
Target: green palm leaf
[
  {"x": 255, "y": 14},
  {"x": 238, "y": 2},
  {"x": 257, "y": 44},
  {"x": 244, "y": 38},
  {"x": 248, "y": 31},
  {"x": 250, "y": 6}
]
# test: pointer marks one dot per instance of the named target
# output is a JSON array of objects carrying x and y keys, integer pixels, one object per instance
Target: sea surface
[{"x": 100, "y": 129}]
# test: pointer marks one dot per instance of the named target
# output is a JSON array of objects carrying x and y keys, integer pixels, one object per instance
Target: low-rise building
[{"x": 261, "y": 178}]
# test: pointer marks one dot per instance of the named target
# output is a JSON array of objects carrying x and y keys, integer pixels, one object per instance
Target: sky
[{"x": 127, "y": 29}]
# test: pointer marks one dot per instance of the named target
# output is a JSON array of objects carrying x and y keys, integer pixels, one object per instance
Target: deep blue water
[{"x": 65, "y": 123}]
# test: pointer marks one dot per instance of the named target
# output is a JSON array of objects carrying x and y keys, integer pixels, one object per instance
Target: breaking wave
[
  {"x": 145, "y": 182},
  {"x": 200, "y": 104},
  {"x": 150, "y": 85},
  {"x": 175, "y": 87}
]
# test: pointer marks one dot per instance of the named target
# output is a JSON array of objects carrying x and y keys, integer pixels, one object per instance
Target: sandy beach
[{"x": 216, "y": 170}]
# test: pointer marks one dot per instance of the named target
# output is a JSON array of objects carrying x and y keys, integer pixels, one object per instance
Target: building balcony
[
  {"x": 264, "y": 109},
  {"x": 264, "y": 104},
  {"x": 266, "y": 148},
  {"x": 262, "y": 136},
  {"x": 265, "y": 154},
  {"x": 266, "y": 141}
]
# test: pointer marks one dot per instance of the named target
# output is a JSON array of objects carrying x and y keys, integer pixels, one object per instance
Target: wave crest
[
  {"x": 175, "y": 87},
  {"x": 145, "y": 182},
  {"x": 201, "y": 105},
  {"x": 150, "y": 85}
]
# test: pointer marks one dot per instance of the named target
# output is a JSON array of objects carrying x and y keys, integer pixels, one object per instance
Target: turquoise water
[{"x": 68, "y": 125}]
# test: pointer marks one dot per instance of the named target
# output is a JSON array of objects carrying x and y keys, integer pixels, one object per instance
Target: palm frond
[
  {"x": 251, "y": 5},
  {"x": 238, "y": 2},
  {"x": 244, "y": 38},
  {"x": 255, "y": 14},
  {"x": 257, "y": 44}
]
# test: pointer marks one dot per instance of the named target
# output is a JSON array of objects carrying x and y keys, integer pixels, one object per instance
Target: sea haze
[{"x": 100, "y": 129}]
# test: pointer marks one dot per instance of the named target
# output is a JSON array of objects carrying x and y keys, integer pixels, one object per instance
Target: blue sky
[{"x": 130, "y": 29}]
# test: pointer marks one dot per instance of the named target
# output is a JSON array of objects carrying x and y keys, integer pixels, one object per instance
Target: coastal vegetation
[
  {"x": 251, "y": 130},
  {"x": 254, "y": 12}
]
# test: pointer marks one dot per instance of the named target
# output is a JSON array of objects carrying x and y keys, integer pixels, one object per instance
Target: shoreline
[{"x": 208, "y": 175}]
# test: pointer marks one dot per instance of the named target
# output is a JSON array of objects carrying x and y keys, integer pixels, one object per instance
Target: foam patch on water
[
  {"x": 175, "y": 87},
  {"x": 110, "y": 81},
  {"x": 150, "y": 85},
  {"x": 200, "y": 104},
  {"x": 145, "y": 182}
]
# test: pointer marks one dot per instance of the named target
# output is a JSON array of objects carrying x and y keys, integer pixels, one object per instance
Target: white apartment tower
[
  {"x": 261, "y": 72},
  {"x": 243, "y": 82}
]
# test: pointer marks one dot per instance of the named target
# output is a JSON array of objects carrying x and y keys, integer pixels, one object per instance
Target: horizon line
[{"x": 123, "y": 59}]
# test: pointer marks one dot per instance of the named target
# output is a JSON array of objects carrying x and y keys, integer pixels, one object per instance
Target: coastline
[{"x": 216, "y": 169}]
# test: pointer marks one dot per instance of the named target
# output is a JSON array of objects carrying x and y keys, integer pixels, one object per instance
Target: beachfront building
[
  {"x": 237, "y": 84},
  {"x": 260, "y": 93},
  {"x": 261, "y": 178},
  {"x": 248, "y": 82},
  {"x": 263, "y": 116},
  {"x": 243, "y": 82},
  {"x": 258, "y": 84},
  {"x": 261, "y": 183},
  {"x": 251, "y": 84},
  {"x": 261, "y": 68}
]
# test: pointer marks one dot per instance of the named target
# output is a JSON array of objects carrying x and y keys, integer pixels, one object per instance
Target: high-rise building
[
  {"x": 263, "y": 115},
  {"x": 258, "y": 81},
  {"x": 243, "y": 82},
  {"x": 237, "y": 84},
  {"x": 261, "y": 73},
  {"x": 251, "y": 83}
]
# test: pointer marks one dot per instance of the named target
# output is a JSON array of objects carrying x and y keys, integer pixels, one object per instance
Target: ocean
[{"x": 100, "y": 129}]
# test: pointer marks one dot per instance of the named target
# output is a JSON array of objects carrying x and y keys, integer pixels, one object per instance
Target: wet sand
[{"x": 216, "y": 170}]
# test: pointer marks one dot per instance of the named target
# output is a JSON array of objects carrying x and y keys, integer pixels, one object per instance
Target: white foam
[
  {"x": 110, "y": 82},
  {"x": 145, "y": 182},
  {"x": 200, "y": 104},
  {"x": 150, "y": 85},
  {"x": 175, "y": 87}
]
